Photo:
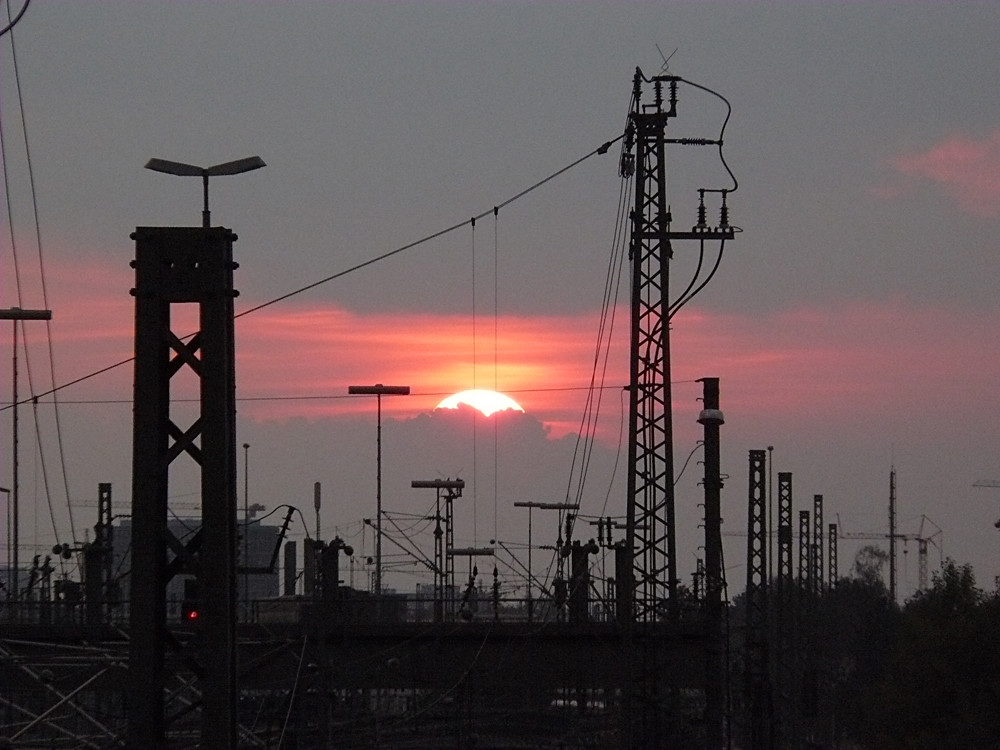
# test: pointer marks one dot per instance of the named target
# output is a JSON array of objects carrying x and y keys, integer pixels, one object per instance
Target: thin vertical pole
[
  {"x": 15, "y": 552},
  {"x": 246, "y": 530},
  {"x": 378, "y": 497},
  {"x": 530, "y": 582},
  {"x": 892, "y": 533}
]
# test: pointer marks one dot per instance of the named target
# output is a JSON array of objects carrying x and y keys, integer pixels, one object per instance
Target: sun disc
[{"x": 488, "y": 402}]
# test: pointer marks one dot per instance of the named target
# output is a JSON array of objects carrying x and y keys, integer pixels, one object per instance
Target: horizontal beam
[
  {"x": 379, "y": 390},
  {"x": 438, "y": 484},
  {"x": 16, "y": 313}
]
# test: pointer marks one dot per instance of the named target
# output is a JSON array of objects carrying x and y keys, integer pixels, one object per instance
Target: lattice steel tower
[
  {"x": 649, "y": 589},
  {"x": 650, "y": 513}
]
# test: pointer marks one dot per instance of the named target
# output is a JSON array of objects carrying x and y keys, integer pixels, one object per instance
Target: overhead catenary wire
[
  {"x": 496, "y": 366},
  {"x": 600, "y": 150},
  {"x": 44, "y": 289},
  {"x": 586, "y": 435},
  {"x": 12, "y": 22},
  {"x": 475, "y": 420},
  {"x": 341, "y": 396}
]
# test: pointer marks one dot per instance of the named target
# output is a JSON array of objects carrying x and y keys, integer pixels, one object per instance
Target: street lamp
[
  {"x": 6, "y": 491},
  {"x": 190, "y": 170},
  {"x": 541, "y": 506},
  {"x": 246, "y": 530},
  {"x": 16, "y": 314},
  {"x": 378, "y": 390}
]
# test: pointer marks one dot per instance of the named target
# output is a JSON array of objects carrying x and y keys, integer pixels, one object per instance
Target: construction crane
[
  {"x": 988, "y": 484},
  {"x": 920, "y": 538}
]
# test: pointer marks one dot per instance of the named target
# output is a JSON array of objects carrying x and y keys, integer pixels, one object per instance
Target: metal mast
[
  {"x": 175, "y": 265},
  {"x": 817, "y": 545},
  {"x": 712, "y": 419},
  {"x": 892, "y": 534},
  {"x": 832, "y": 574},
  {"x": 784, "y": 611},
  {"x": 650, "y": 520},
  {"x": 758, "y": 688},
  {"x": 648, "y": 601},
  {"x": 650, "y": 529}
]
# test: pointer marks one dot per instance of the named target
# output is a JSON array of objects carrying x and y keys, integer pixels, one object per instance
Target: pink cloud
[
  {"x": 892, "y": 360},
  {"x": 967, "y": 169},
  {"x": 887, "y": 360}
]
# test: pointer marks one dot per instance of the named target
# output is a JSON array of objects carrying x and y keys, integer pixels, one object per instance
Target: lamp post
[
  {"x": 246, "y": 530},
  {"x": 16, "y": 314},
  {"x": 6, "y": 491},
  {"x": 190, "y": 170},
  {"x": 378, "y": 390},
  {"x": 541, "y": 506}
]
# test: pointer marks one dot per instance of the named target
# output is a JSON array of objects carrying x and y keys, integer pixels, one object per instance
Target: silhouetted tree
[
  {"x": 869, "y": 563},
  {"x": 941, "y": 690}
]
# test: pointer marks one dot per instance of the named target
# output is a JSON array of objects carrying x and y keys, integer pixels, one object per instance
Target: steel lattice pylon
[
  {"x": 816, "y": 575},
  {"x": 648, "y": 601},
  {"x": 784, "y": 610},
  {"x": 757, "y": 682},
  {"x": 651, "y": 479}
]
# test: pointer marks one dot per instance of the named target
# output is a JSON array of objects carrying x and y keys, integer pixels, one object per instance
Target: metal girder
[
  {"x": 831, "y": 556},
  {"x": 650, "y": 521},
  {"x": 758, "y": 685},
  {"x": 175, "y": 265},
  {"x": 805, "y": 569},
  {"x": 784, "y": 610},
  {"x": 816, "y": 554}
]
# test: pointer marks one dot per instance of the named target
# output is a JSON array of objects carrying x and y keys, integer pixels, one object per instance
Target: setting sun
[{"x": 488, "y": 402}]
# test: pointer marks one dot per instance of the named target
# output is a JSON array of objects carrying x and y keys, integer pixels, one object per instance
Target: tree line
[{"x": 856, "y": 671}]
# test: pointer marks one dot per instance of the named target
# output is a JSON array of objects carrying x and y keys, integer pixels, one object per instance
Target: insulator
[
  {"x": 724, "y": 213},
  {"x": 627, "y": 166},
  {"x": 701, "y": 209}
]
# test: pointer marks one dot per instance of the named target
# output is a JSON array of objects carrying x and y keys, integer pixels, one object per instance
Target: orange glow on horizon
[
  {"x": 842, "y": 363},
  {"x": 543, "y": 360}
]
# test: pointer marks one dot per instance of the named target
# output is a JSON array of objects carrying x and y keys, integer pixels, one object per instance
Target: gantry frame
[{"x": 179, "y": 265}]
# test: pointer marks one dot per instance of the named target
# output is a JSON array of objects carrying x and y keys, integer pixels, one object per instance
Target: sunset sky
[{"x": 852, "y": 323}]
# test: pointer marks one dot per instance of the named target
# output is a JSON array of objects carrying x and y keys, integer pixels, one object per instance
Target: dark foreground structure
[{"x": 639, "y": 665}]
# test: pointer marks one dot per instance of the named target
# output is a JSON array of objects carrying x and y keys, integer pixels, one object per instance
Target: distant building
[{"x": 255, "y": 550}]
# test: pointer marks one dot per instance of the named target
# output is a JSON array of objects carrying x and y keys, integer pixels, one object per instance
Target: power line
[
  {"x": 600, "y": 150},
  {"x": 326, "y": 397}
]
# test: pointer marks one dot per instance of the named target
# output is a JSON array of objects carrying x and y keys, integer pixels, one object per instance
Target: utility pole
[
  {"x": 378, "y": 390},
  {"x": 892, "y": 534},
  {"x": 16, "y": 314},
  {"x": 650, "y": 599}
]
